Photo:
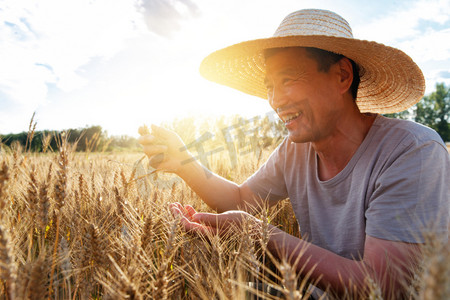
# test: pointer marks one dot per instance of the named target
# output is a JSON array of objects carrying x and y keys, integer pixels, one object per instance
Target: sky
[{"x": 123, "y": 63}]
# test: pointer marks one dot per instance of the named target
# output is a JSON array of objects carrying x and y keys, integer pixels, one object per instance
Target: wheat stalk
[
  {"x": 60, "y": 195},
  {"x": 8, "y": 270}
]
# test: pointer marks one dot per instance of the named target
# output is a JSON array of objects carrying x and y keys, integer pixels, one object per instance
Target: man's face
[{"x": 303, "y": 97}]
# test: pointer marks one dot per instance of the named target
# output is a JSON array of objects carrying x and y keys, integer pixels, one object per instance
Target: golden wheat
[{"x": 74, "y": 226}]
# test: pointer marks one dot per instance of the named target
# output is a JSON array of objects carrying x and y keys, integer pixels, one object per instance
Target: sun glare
[{"x": 160, "y": 81}]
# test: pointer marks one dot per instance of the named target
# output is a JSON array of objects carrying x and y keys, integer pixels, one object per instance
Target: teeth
[{"x": 291, "y": 117}]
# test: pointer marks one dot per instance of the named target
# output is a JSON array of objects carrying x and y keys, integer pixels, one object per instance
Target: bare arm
[
  {"x": 217, "y": 192},
  {"x": 388, "y": 263}
]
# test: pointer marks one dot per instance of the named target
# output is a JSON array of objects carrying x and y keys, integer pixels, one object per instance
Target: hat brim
[{"x": 390, "y": 80}]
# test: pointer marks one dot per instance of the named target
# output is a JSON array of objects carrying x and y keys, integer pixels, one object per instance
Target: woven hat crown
[
  {"x": 314, "y": 22},
  {"x": 390, "y": 81}
]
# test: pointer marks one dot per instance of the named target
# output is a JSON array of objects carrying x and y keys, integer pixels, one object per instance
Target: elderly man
[{"x": 363, "y": 187}]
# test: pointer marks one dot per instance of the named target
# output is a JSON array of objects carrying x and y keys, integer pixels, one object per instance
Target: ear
[{"x": 346, "y": 74}]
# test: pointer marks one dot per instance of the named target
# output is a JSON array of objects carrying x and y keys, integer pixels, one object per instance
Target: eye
[
  {"x": 286, "y": 80},
  {"x": 269, "y": 86}
]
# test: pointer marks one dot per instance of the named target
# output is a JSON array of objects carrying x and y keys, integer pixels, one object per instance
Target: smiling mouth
[{"x": 290, "y": 117}]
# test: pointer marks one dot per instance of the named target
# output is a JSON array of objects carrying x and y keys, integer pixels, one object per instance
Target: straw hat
[{"x": 390, "y": 80}]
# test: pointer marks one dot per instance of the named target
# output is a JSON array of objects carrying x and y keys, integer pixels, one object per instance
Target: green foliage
[
  {"x": 404, "y": 115},
  {"x": 89, "y": 139},
  {"x": 434, "y": 110},
  {"x": 123, "y": 143}
]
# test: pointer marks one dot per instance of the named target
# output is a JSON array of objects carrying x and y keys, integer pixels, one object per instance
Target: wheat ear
[
  {"x": 4, "y": 177},
  {"x": 60, "y": 195}
]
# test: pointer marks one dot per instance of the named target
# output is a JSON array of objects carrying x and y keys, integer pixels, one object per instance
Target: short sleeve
[
  {"x": 268, "y": 182},
  {"x": 411, "y": 195}
]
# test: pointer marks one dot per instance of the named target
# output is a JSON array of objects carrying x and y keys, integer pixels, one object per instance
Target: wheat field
[{"x": 97, "y": 226}]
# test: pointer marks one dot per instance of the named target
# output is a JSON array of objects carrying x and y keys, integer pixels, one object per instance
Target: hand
[
  {"x": 210, "y": 223},
  {"x": 186, "y": 215},
  {"x": 164, "y": 148}
]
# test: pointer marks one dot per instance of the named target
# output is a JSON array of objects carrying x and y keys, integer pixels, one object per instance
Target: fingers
[
  {"x": 187, "y": 211},
  {"x": 156, "y": 130},
  {"x": 154, "y": 149},
  {"x": 176, "y": 208},
  {"x": 190, "y": 210},
  {"x": 143, "y": 130},
  {"x": 151, "y": 150},
  {"x": 148, "y": 139},
  {"x": 160, "y": 131},
  {"x": 154, "y": 146},
  {"x": 179, "y": 211}
]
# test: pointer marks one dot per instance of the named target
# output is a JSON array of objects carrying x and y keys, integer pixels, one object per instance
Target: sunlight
[{"x": 160, "y": 81}]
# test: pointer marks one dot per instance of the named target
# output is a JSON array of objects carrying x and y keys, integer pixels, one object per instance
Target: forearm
[
  {"x": 328, "y": 269},
  {"x": 217, "y": 192}
]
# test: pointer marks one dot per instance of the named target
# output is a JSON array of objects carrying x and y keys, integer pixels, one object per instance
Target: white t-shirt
[{"x": 395, "y": 186}]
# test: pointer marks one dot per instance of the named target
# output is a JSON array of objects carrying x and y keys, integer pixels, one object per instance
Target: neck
[{"x": 336, "y": 150}]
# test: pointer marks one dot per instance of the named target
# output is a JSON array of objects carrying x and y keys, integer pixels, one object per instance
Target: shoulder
[
  {"x": 393, "y": 142},
  {"x": 407, "y": 133}
]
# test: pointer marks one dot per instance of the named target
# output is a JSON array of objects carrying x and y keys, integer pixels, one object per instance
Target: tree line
[{"x": 88, "y": 139}]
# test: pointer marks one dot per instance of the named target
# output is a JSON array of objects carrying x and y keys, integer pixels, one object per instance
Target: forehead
[{"x": 288, "y": 60}]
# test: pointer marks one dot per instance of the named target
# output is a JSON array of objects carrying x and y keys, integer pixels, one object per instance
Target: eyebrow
[{"x": 287, "y": 71}]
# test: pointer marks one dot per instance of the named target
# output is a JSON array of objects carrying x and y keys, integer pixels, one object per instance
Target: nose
[{"x": 277, "y": 97}]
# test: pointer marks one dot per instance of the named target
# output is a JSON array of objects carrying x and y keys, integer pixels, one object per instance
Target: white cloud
[
  {"x": 437, "y": 76},
  {"x": 404, "y": 22},
  {"x": 163, "y": 17},
  {"x": 433, "y": 45},
  {"x": 421, "y": 29},
  {"x": 63, "y": 35},
  {"x": 21, "y": 78}
]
